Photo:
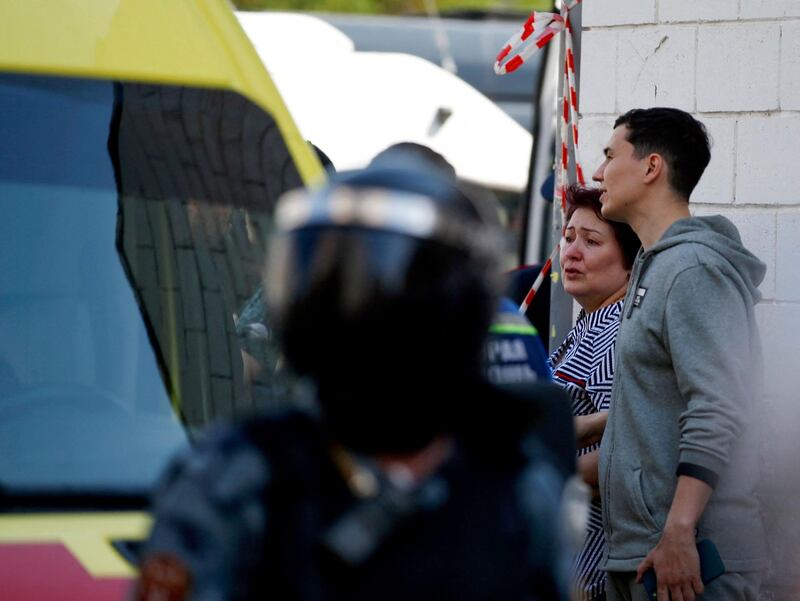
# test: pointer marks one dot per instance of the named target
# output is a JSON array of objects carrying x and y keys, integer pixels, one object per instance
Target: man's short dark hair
[{"x": 674, "y": 134}]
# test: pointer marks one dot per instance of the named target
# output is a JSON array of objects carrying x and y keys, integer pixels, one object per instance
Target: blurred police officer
[{"x": 415, "y": 479}]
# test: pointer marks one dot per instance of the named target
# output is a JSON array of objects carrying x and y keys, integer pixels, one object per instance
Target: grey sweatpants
[{"x": 735, "y": 586}]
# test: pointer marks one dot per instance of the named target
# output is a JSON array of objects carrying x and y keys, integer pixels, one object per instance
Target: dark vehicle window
[{"x": 131, "y": 253}]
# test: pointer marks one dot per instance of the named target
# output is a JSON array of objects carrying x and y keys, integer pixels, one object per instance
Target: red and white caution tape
[
  {"x": 537, "y": 283},
  {"x": 569, "y": 112},
  {"x": 536, "y": 32},
  {"x": 540, "y": 28}
]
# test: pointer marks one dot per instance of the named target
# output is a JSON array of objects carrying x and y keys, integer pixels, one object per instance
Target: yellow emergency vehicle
[{"x": 142, "y": 146}]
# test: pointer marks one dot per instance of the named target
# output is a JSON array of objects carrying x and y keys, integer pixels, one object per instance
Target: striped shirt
[{"x": 584, "y": 366}]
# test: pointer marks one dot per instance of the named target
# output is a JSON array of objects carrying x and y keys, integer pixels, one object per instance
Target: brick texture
[
  {"x": 716, "y": 185},
  {"x": 598, "y": 76},
  {"x": 618, "y": 12},
  {"x": 761, "y": 9},
  {"x": 766, "y": 164},
  {"x": 656, "y": 68},
  {"x": 788, "y": 259},
  {"x": 790, "y": 66},
  {"x": 692, "y": 10},
  {"x": 737, "y": 67}
]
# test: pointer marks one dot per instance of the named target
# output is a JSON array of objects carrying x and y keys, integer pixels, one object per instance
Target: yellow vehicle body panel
[
  {"x": 192, "y": 43},
  {"x": 181, "y": 42},
  {"x": 87, "y": 536}
]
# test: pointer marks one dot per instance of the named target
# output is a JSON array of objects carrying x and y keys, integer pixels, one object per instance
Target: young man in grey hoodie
[{"x": 679, "y": 458}]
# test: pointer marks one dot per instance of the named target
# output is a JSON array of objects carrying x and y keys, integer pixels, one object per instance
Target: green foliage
[{"x": 391, "y": 7}]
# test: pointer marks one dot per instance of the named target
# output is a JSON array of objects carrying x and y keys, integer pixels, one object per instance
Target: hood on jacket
[{"x": 720, "y": 235}]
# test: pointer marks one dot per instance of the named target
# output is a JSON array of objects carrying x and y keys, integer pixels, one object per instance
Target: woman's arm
[
  {"x": 588, "y": 470},
  {"x": 589, "y": 428}
]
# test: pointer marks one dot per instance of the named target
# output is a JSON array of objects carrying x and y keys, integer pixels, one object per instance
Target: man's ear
[{"x": 655, "y": 166}]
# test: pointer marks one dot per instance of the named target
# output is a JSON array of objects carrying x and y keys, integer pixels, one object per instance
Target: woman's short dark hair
[{"x": 589, "y": 198}]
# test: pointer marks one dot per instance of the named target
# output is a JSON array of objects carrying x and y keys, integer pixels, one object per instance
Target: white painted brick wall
[
  {"x": 757, "y": 229},
  {"x": 763, "y": 9},
  {"x": 737, "y": 67},
  {"x": 598, "y": 72},
  {"x": 656, "y": 68},
  {"x": 779, "y": 324},
  {"x": 790, "y": 66},
  {"x": 716, "y": 185},
  {"x": 698, "y": 10},
  {"x": 763, "y": 316},
  {"x": 595, "y": 133},
  {"x": 767, "y": 170},
  {"x": 787, "y": 269},
  {"x": 618, "y": 12}
]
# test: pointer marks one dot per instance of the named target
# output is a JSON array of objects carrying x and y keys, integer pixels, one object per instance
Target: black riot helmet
[{"x": 382, "y": 285}]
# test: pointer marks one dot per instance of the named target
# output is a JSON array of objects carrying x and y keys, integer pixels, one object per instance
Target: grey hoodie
[{"x": 686, "y": 393}]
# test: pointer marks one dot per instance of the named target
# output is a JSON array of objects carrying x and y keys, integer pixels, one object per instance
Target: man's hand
[
  {"x": 676, "y": 564},
  {"x": 674, "y": 558}
]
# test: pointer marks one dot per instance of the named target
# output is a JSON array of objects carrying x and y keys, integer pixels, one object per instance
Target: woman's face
[{"x": 592, "y": 266}]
